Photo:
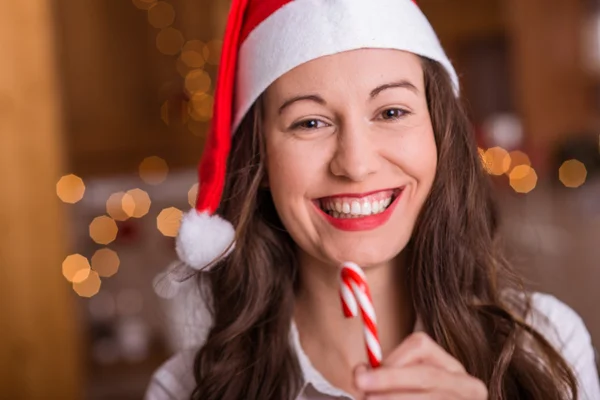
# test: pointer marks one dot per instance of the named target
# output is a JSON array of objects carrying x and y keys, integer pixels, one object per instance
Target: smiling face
[{"x": 351, "y": 154}]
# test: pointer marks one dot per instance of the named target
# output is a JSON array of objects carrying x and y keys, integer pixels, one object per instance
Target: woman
[{"x": 350, "y": 144}]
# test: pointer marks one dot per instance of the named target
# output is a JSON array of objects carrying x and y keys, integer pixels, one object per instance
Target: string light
[
  {"x": 168, "y": 221},
  {"x": 523, "y": 179},
  {"x": 105, "y": 262},
  {"x": 153, "y": 170},
  {"x": 169, "y": 41},
  {"x": 161, "y": 15},
  {"x": 192, "y": 54},
  {"x": 103, "y": 230},
  {"x": 114, "y": 206},
  {"x": 572, "y": 173},
  {"x": 70, "y": 189},
  {"x": 497, "y": 160},
  {"x": 76, "y": 268},
  {"x": 140, "y": 203},
  {"x": 88, "y": 287},
  {"x": 517, "y": 158}
]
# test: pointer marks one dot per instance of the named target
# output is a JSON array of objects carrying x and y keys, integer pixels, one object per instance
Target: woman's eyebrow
[
  {"x": 311, "y": 97},
  {"x": 403, "y": 84}
]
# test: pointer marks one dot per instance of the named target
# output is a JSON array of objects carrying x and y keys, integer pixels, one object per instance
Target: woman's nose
[{"x": 356, "y": 156}]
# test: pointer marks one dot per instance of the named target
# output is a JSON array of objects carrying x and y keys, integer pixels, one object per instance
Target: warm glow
[
  {"x": 103, "y": 230},
  {"x": 192, "y": 194},
  {"x": 140, "y": 203},
  {"x": 517, "y": 158},
  {"x": 169, "y": 41},
  {"x": 143, "y": 4},
  {"x": 198, "y": 128},
  {"x": 114, "y": 206},
  {"x": 197, "y": 82},
  {"x": 168, "y": 221},
  {"x": 212, "y": 52},
  {"x": 192, "y": 54},
  {"x": 89, "y": 286},
  {"x": 153, "y": 170},
  {"x": 76, "y": 268},
  {"x": 572, "y": 173},
  {"x": 105, "y": 262},
  {"x": 200, "y": 107},
  {"x": 161, "y": 15},
  {"x": 523, "y": 179},
  {"x": 70, "y": 188},
  {"x": 496, "y": 160},
  {"x": 164, "y": 112}
]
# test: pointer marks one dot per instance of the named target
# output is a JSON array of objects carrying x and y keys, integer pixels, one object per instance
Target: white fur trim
[
  {"x": 203, "y": 239},
  {"x": 304, "y": 30}
]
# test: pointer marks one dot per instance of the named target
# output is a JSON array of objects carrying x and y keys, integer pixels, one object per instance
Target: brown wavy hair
[{"x": 470, "y": 300}]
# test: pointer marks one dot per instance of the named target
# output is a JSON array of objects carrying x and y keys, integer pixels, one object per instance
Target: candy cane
[{"x": 355, "y": 293}]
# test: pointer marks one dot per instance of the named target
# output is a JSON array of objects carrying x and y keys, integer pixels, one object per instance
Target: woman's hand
[{"x": 419, "y": 369}]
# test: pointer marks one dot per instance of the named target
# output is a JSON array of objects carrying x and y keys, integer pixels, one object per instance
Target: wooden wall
[{"x": 39, "y": 341}]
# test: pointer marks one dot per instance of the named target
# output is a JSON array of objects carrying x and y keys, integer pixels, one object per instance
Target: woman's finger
[
  {"x": 421, "y": 378},
  {"x": 420, "y": 348}
]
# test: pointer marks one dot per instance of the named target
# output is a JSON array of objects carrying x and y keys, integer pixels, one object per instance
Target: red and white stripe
[{"x": 355, "y": 294}]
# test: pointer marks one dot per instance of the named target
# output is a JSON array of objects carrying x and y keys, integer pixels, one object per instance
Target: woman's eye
[
  {"x": 309, "y": 124},
  {"x": 393, "y": 113}
]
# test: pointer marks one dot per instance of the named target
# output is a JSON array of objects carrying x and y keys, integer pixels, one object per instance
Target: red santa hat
[{"x": 263, "y": 40}]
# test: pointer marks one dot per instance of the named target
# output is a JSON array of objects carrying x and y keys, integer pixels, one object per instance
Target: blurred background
[{"x": 104, "y": 107}]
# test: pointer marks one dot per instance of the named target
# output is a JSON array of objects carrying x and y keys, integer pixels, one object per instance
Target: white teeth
[
  {"x": 346, "y": 208},
  {"x": 375, "y": 207},
  {"x": 366, "y": 208},
  {"x": 355, "y": 209}
]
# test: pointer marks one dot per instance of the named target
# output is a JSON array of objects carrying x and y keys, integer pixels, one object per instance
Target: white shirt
[{"x": 562, "y": 327}]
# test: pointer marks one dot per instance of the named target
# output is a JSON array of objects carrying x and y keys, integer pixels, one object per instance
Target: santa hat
[{"x": 263, "y": 40}]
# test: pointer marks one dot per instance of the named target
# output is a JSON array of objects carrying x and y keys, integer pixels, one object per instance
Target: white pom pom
[{"x": 203, "y": 239}]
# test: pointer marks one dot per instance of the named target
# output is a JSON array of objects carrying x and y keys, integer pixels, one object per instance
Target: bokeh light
[
  {"x": 114, "y": 206},
  {"x": 76, "y": 268},
  {"x": 88, "y": 287},
  {"x": 523, "y": 179},
  {"x": 212, "y": 51},
  {"x": 198, "y": 128},
  {"x": 200, "y": 107},
  {"x": 197, "y": 81},
  {"x": 103, "y": 230},
  {"x": 143, "y": 4},
  {"x": 496, "y": 160},
  {"x": 192, "y": 54},
  {"x": 517, "y": 158},
  {"x": 161, "y": 14},
  {"x": 168, "y": 221},
  {"x": 153, "y": 170},
  {"x": 105, "y": 262},
  {"x": 140, "y": 203},
  {"x": 70, "y": 188},
  {"x": 572, "y": 173},
  {"x": 169, "y": 41},
  {"x": 192, "y": 195}
]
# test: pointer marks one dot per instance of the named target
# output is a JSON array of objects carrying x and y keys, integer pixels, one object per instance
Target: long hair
[{"x": 470, "y": 300}]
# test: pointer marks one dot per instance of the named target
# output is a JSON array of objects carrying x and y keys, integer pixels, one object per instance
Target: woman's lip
[
  {"x": 396, "y": 190},
  {"x": 365, "y": 223}
]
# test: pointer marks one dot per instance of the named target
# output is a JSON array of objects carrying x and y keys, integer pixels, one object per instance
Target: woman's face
[{"x": 351, "y": 154}]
